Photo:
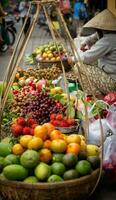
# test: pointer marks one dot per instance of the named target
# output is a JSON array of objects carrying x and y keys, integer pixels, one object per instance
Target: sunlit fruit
[
  {"x": 73, "y": 138},
  {"x": 35, "y": 143},
  {"x": 56, "y": 134},
  {"x": 24, "y": 140},
  {"x": 49, "y": 127},
  {"x": 73, "y": 148},
  {"x": 17, "y": 149},
  {"x": 47, "y": 144},
  {"x": 45, "y": 155},
  {"x": 58, "y": 146},
  {"x": 41, "y": 131}
]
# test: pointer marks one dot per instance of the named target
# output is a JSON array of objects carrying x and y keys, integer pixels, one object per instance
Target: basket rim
[
  {"x": 68, "y": 183},
  {"x": 50, "y": 61}
]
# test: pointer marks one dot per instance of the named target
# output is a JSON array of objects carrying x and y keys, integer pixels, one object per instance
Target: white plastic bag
[
  {"x": 111, "y": 118},
  {"x": 95, "y": 132}
]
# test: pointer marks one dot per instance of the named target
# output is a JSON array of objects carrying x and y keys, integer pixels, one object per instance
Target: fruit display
[
  {"x": 49, "y": 73},
  {"x": 50, "y": 52},
  {"x": 45, "y": 154}
]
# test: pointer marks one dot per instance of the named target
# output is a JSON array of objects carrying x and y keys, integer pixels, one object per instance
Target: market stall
[{"x": 49, "y": 148}]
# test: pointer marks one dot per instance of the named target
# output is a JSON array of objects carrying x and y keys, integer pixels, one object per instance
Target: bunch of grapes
[{"x": 41, "y": 107}]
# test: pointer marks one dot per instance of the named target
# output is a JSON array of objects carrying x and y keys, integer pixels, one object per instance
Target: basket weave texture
[
  {"x": 68, "y": 190},
  {"x": 44, "y": 64}
]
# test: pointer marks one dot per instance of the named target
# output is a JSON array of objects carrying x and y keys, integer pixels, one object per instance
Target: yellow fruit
[
  {"x": 35, "y": 143},
  {"x": 41, "y": 132},
  {"x": 83, "y": 145},
  {"x": 93, "y": 150},
  {"x": 82, "y": 137},
  {"x": 58, "y": 146},
  {"x": 17, "y": 149},
  {"x": 50, "y": 55},
  {"x": 58, "y": 58},
  {"x": 44, "y": 55},
  {"x": 53, "y": 59},
  {"x": 24, "y": 140},
  {"x": 73, "y": 138},
  {"x": 17, "y": 75}
]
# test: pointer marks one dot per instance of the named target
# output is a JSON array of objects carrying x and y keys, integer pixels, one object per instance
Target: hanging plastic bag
[
  {"x": 95, "y": 132},
  {"x": 109, "y": 162},
  {"x": 111, "y": 118}
]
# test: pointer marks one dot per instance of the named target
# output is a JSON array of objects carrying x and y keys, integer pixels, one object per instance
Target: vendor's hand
[{"x": 84, "y": 47}]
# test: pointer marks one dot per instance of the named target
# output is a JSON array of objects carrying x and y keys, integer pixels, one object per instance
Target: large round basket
[{"x": 69, "y": 190}]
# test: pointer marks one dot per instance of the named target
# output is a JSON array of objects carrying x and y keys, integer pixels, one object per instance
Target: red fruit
[
  {"x": 59, "y": 117},
  {"x": 16, "y": 130},
  {"x": 21, "y": 121},
  {"x": 55, "y": 122},
  {"x": 32, "y": 131},
  {"x": 53, "y": 116},
  {"x": 64, "y": 124},
  {"x": 31, "y": 121},
  {"x": 70, "y": 121},
  {"x": 33, "y": 126},
  {"x": 26, "y": 130}
]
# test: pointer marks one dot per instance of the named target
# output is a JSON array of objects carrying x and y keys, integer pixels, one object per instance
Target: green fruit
[
  {"x": 29, "y": 159},
  {"x": 42, "y": 171},
  {"x": 31, "y": 179},
  {"x": 57, "y": 157},
  {"x": 83, "y": 167},
  {"x": 58, "y": 168},
  {"x": 7, "y": 140},
  {"x": 15, "y": 172},
  {"x": 70, "y": 174},
  {"x": 11, "y": 159},
  {"x": 54, "y": 178},
  {"x": 82, "y": 155},
  {"x": 1, "y": 163},
  {"x": 70, "y": 160},
  {"x": 5, "y": 149},
  {"x": 95, "y": 161}
]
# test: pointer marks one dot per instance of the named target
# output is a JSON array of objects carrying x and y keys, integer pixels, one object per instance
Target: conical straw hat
[{"x": 104, "y": 21}]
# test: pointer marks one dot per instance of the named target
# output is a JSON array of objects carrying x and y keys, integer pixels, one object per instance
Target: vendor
[{"x": 100, "y": 47}]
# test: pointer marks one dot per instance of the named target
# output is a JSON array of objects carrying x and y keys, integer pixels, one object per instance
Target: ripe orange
[
  {"x": 73, "y": 138},
  {"x": 73, "y": 148},
  {"x": 24, "y": 140},
  {"x": 49, "y": 127},
  {"x": 41, "y": 132},
  {"x": 17, "y": 149},
  {"x": 58, "y": 146},
  {"x": 45, "y": 155},
  {"x": 56, "y": 134},
  {"x": 47, "y": 144},
  {"x": 35, "y": 143}
]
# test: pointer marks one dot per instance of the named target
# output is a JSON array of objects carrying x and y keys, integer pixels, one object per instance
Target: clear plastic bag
[
  {"x": 111, "y": 118},
  {"x": 95, "y": 132},
  {"x": 109, "y": 162}
]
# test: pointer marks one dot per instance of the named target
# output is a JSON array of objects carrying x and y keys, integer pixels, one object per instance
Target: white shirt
[{"x": 104, "y": 50}]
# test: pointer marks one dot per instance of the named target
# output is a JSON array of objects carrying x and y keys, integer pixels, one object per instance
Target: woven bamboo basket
[
  {"x": 68, "y": 190},
  {"x": 44, "y": 64}
]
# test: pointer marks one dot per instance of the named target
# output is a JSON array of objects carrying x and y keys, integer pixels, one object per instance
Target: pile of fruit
[
  {"x": 50, "y": 73},
  {"x": 46, "y": 155},
  {"x": 48, "y": 52},
  {"x": 59, "y": 120}
]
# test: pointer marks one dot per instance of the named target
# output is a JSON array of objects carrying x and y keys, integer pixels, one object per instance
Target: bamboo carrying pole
[{"x": 19, "y": 51}]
